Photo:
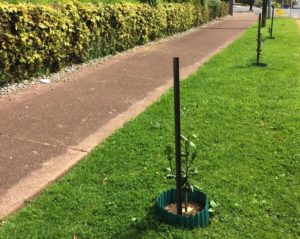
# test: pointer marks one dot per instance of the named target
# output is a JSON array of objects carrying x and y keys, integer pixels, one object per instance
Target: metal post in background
[
  {"x": 269, "y": 8},
  {"x": 177, "y": 134},
  {"x": 258, "y": 50},
  {"x": 271, "y": 28},
  {"x": 231, "y": 3}
]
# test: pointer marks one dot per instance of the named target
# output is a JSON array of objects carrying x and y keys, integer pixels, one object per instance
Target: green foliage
[
  {"x": 213, "y": 3},
  {"x": 40, "y": 39}
]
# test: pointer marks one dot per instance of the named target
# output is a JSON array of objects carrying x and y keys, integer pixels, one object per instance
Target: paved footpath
[{"x": 46, "y": 129}]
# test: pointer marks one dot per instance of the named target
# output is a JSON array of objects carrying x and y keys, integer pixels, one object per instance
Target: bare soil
[{"x": 193, "y": 209}]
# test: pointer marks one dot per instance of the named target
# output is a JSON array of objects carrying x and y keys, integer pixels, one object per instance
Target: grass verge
[{"x": 247, "y": 119}]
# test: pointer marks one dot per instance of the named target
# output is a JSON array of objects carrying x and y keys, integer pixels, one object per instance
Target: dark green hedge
[{"x": 39, "y": 39}]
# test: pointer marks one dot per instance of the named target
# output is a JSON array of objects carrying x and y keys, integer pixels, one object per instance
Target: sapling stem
[
  {"x": 188, "y": 155},
  {"x": 171, "y": 169},
  {"x": 186, "y": 201},
  {"x": 186, "y": 174}
]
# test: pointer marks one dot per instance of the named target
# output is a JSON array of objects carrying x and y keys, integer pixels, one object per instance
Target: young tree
[{"x": 188, "y": 156}]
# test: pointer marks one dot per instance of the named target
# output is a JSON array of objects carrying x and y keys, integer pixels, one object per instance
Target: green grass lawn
[{"x": 248, "y": 124}]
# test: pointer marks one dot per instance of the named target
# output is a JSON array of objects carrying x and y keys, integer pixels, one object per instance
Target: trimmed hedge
[{"x": 39, "y": 39}]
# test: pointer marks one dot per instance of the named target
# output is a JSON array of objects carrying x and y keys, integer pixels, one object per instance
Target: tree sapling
[{"x": 188, "y": 156}]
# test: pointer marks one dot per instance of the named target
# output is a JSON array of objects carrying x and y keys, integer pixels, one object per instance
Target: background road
[{"x": 295, "y": 12}]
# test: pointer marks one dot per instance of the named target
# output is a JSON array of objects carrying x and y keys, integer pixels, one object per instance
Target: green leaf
[
  {"x": 192, "y": 144},
  {"x": 213, "y": 204},
  {"x": 42, "y": 26},
  {"x": 194, "y": 171},
  {"x": 184, "y": 138}
]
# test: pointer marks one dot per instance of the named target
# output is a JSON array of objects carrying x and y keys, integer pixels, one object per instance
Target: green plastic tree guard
[{"x": 201, "y": 219}]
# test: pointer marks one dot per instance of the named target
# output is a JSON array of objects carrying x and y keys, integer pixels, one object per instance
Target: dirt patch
[{"x": 193, "y": 209}]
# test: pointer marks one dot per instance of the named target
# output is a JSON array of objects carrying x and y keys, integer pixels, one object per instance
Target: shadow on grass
[
  {"x": 151, "y": 224},
  {"x": 259, "y": 64},
  {"x": 251, "y": 65}
]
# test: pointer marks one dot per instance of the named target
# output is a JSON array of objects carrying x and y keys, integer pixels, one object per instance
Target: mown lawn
[{"x": 247, "y": 120}]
